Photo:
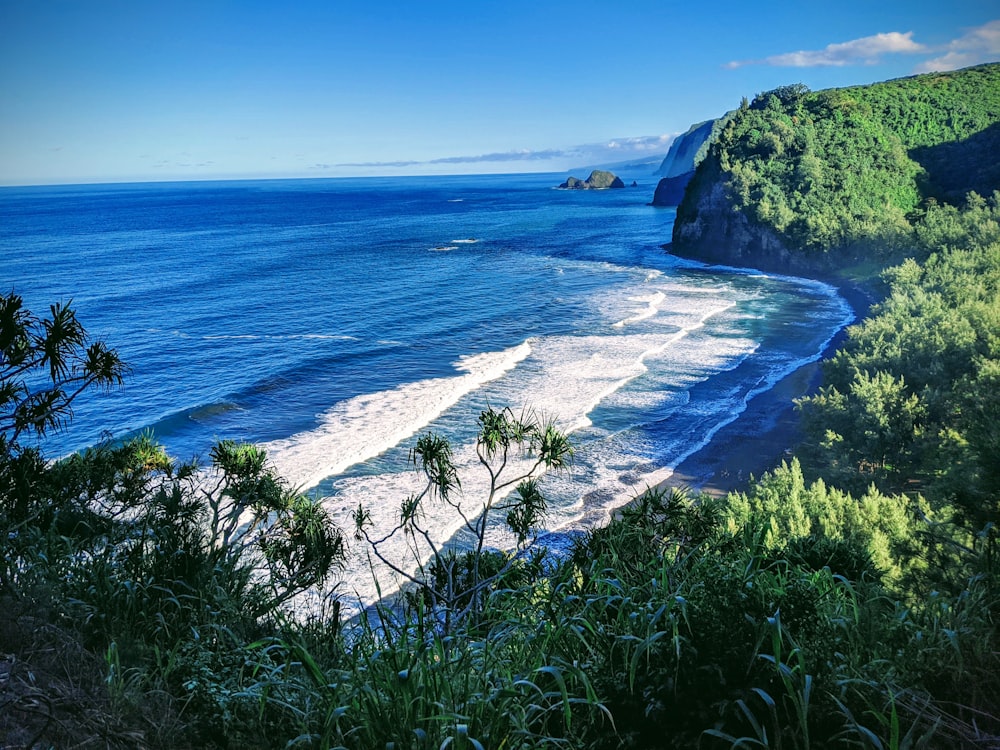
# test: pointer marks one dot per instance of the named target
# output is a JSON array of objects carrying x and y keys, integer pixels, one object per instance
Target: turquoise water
[{"x": 334, "y": 320}]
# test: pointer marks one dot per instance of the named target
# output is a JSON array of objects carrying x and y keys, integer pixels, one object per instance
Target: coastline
[{"x": 764, "y": 435}]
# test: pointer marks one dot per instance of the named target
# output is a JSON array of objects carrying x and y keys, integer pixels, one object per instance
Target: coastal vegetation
[
  {"x": 829, "y": 178},
  {"x": 911, "y": 402},
  {"x": 848, "y": 598}
]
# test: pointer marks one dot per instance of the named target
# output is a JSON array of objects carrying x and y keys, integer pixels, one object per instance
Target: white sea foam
[
  {"x": 649, "y": 365},
  {"x": 364, "y": 426},
  {"x": 652, "y": 306},
  {"x": 612, "y": 488},
  {"x": 563, "y": 379},
  {"x": 692, "y": 359},
  {"x": 468, "y": 241}
]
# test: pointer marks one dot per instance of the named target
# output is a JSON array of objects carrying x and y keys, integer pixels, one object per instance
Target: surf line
[
  {"x": 443, "y": 522},
  {"x": 362, "y": 427},
  {"x": 652, "y": 307}
]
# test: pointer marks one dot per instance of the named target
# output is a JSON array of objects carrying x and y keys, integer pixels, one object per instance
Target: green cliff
[{"x": 813, "y": 181}]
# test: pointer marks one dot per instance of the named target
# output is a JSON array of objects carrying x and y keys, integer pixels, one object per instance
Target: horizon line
[{"x": 177, "y": 180}]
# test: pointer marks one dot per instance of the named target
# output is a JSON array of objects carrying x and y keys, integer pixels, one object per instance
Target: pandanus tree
[
  {"x": 45, "y": 363},
  {"x": 254, "y": 518},
  {"x": 154, "y": 518},
  {"x": 513, "y": 451}
]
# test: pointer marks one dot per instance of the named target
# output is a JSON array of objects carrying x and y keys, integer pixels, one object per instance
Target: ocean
[{"x": 334, "y": 321}]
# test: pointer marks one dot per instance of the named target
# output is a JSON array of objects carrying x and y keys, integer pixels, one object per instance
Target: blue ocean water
[{"x": 334, "y": 320}]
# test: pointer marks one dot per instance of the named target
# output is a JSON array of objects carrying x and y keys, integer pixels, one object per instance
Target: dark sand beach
[{"x": 765, "y": 434}]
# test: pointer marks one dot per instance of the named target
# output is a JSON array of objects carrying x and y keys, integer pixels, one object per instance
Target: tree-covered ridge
[
  {"x": 912, "y": 401},
  {"x": 934, "y": 108},
  {"x": 843, "y": 169}
]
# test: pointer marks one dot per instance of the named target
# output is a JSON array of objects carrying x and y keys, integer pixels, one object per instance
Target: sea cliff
[
  {"x": 708, "y": 229},
  {"x": 686, "y": 153},
  {"x": 813, "y": 182}
]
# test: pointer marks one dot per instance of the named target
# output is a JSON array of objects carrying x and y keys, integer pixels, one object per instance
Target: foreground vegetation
[{"x": 850, "y": 598}]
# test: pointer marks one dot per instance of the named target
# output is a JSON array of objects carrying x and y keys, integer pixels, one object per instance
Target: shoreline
[{"x": 767, "y": 432}]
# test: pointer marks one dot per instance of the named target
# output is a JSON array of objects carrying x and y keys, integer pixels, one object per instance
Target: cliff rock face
[
  {"x": 598, "y": 180},
  {"x": 670, "y": 190},
  {"x": 808, "y": 182},
  {"x": 680, "y": 159},
  {"x": 685, "y": 154},
  {"x": 710, "y": 231}
]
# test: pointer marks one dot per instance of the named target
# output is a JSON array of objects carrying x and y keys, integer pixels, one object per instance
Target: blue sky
[{"x": 132, "y": 90}]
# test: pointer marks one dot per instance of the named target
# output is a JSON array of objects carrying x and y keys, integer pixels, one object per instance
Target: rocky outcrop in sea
[{"x": 598, "y": 180}]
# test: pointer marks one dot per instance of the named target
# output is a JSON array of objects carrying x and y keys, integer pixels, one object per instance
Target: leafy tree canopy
[{"x": 844, "y": 170}]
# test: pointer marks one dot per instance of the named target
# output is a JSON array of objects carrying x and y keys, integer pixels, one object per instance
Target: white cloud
[
  {"x": 639, "y": 145},
  {"x": 617, "y": 149},
  {"x": 865, "y": 51},
  {"x": 977, "y": 45}
]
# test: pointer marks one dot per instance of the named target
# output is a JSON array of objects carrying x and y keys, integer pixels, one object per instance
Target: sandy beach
[{"x": 768, "y": 431}]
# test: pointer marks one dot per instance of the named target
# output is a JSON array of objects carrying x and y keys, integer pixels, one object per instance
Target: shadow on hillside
[{"x": 955, "y": 168}]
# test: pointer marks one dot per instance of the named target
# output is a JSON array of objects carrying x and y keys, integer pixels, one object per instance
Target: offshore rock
[{"x": 598, "y": 180}]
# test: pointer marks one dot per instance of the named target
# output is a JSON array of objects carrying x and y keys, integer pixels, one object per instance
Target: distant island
[
  {"x": 686, "y": 153},
  {"x": 598, "y": 180}
]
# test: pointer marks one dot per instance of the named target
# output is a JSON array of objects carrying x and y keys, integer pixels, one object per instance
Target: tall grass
[{"x": 672, "y": 626}]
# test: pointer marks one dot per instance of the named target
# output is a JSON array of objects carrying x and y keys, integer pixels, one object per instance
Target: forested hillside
[
  {"x": 822, "y": 179},
  {"x": 912, "y": 401}
]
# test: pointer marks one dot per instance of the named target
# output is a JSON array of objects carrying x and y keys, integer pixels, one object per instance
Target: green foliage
[
  {"x": 45, "y": 363},
  {"x": 139, "y": 558},
  {"x": 513, "y": 450},
  {"x": 842, "y": 171},
  {"x": 911, "y": 401},
  {"x": 820, "y": 526},
  {"x": 670, "y": 627},
  {"x": 407, "y": 685}
]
